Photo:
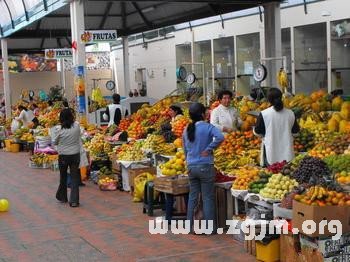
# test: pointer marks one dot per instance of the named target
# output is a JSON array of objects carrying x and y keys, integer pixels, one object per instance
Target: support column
[
  {"x": 6, "y": 76},
  {"x": 77, "y": 27},
  {"x": 63, "y": 77},
  {"x": 126, "y": 66},
  {"x": 273, "y": 41}
]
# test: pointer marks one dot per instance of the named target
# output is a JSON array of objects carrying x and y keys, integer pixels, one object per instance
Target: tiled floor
[{"x": 107, "y": 227}]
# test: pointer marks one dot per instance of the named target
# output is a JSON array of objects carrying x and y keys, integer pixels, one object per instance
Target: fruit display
[
  {"x": 277, "y": 167},
  {"x": 311, "y": 168},
  {"x": 111, "y": 130},
  {"x": 277, "y": 186},
  {"x": 136, "y": 130},
  {"x": 343, "y": 177},
  {"x": 50, "y": 119},
  {"x": 175, "y": 166},
  {"x": 244, "y": 176},
  {"x": 156, "y": 144},
  {"x": 106, "y": 180},
  {"x": 131, "y": 151},
  {"x": 27, "y": 137},
  {"x": 179, "y": 124},
  {"x": 304, "y": 140},
  {"x": 40, "y": 159},
  {"x": 287, "y": 200},
  {"x": 124, "y": 124},
  {"x": 258, "y": 185},
  {"x": 338, "y": 163},
  {"x": 229, "y": 165},
  {"x": 320, "y": 196},
  {"x": 290, "y": 167},
  {"x": 97, "y": 146}
]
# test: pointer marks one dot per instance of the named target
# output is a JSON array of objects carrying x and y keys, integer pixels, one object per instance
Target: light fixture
[
  {"x": 147, "y": 9},
  {"x": 325, "y": 13}
]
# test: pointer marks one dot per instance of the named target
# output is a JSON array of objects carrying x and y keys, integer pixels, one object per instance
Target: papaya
[
  {"x": 333, "y": 125},
  {"x": 345, "y": 110},
  {"x": 336, "y": 103}
]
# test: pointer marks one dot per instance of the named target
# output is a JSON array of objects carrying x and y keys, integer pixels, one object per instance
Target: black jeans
[{"x": 71, "y": 161}]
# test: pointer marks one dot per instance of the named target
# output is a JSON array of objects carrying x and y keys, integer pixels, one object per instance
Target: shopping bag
[{"x": 139, "y": 185}]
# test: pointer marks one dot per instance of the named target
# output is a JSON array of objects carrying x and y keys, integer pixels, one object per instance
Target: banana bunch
[
  {"x": 27, "y": 137},
  {"x": 98, "y": 146},
  {"x": 282, "y": 79},
  {"x": 165, "y": 149},
  {"x": 301, "y": 101},
  {"x": 39, "y": 159},
  {"x": 152, "y": 142},
  {"x": 316, "y": 192}
]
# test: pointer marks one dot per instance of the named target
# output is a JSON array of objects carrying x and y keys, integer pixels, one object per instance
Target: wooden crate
[{"x": 175, "y": 185}]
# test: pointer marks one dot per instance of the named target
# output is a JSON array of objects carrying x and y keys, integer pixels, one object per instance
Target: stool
[{"x": 149, "y": 203}]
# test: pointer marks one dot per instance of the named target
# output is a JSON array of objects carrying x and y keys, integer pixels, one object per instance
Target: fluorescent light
[{"x": 148, "y": 9}]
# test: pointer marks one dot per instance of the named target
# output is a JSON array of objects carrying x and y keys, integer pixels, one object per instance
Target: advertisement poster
[
  {"x": 79, "y": 85},
  {"x": 94, "y": 61},
  {"x": 30, "y": 63},
  {"x": 58, "y": 53},
  {"x": 100, "y": 36}
]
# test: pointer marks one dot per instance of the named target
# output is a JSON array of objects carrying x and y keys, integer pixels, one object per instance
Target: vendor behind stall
[
  {"x": 276, "y": 125},
  {"x": 225, "y": 117},
  {"x": 27, "y": 117}
]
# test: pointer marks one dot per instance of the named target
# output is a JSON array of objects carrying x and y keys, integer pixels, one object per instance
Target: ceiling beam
[
  {"x": 25, "y": 10},
  {"x": 86, "y": 15},
  {"x": 8, "y": 9},
  {"x": 248, "y": 2},
  {"x": 138, "y": 9},
  {"x": 59, "y": 44},
  {"x": 105, "y": 15}
]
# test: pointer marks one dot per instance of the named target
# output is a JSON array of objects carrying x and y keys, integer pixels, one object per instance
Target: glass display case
[
  {"x": 202, "y": 54},
  {"x": 248, "y": 56},
  {"x": 224, "y": 72},
  {"x": 340, "y": 46},
  {"x": 310, "y": 46}
]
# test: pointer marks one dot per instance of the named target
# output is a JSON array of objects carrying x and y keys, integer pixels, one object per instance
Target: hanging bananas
[{"x": 282, "y": 80}]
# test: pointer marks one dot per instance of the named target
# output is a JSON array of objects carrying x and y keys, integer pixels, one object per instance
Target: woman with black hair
[
  {"x": 67, "y": 138},
  {"x": 200, "y": 139},
  {"x": 175, "y": 111},
  {"x": 276, "y": 125}
]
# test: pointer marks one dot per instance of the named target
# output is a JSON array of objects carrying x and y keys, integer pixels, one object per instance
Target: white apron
[
  {"x": 111, "y": 109},
  {"x": 278, "y": 139}
]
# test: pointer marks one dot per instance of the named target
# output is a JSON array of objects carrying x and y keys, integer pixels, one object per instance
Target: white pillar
[
  {"x": 77, "y": 27},
  {"x": 63, "y": 77},
  {"x": 273, "y": 41},
  {"x": 126, "y": 66},
  {"x": 6, "y": 76}
]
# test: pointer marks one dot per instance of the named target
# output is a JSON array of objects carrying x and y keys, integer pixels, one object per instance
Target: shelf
[
  {"x": 244, "y": 75},
  {"x": 334, "y": 38},
  {"x": 310, "y": 69},
  {"x": 340, "y": 68}
]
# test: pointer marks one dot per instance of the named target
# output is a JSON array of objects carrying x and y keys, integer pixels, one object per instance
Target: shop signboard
[
  {"x": 30, "y": 63},
  {"x": 58, "y": 53},
  {"x": 100, "y": 36}
]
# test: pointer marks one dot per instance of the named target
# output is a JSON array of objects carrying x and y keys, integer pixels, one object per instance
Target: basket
[
  {"x": 14, "y": 148},
  {"x": 112, "y": 186},
  {"x": 175, "y": 185}
]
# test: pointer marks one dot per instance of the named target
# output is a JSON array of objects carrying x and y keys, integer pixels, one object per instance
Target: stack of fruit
[
  {"x": 311, "y": 169},
  {"x": 277, "y": 167},
  {"x": 106, "y": 180},
  {"x": 51, "y": 118},
  {"x": 256, "y": 186},
  {"x": 278, "y": 186},
  {"x": 320, "y": 196},
  {"x": 244, "y": 176},
  {"x": 21, "y": 131},
  {"x": 97, "y": 146},
  {"x": 175, "y": 166},
  {"x": 124, "y": 124},
  {"x": 131, "y": 152},
  {"x": 41, "y": 159},
  {"x": 27, "y": 137},
  {"x": 178, "y": 125},
  {"x": 287, "y": 201},
  {"x": 304, "y": 140},
  {"x": 290, "y": 167},
  {"x": 136, "y": 130},
  {"x": 229, "y": 165}
]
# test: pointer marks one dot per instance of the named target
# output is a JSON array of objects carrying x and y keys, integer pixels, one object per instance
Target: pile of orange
[
  {"x": 178, "y": 125},
  {"x": 245, "y": 175},
  {"x": 320, "y": 196},
  {"x": 136, "y": 130},
  {"x": 124, "y": 124}
]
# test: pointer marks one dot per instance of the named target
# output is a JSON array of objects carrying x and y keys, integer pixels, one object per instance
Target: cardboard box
[
  {"x": 326, "y": 246},
  {"x": 302, "y": 212},
  {"x": 289, "y": 248}
]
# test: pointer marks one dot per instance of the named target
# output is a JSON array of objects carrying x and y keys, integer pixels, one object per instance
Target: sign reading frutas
[
  {"x": 98, "y": 36},
  {"x": 58, "y": 53}
]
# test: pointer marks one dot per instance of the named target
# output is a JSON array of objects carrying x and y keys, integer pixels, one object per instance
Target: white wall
[{"x": 161, "y": 55}]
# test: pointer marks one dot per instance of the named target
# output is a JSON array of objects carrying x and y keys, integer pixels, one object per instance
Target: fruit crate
[{"x": 175, "y": 185}]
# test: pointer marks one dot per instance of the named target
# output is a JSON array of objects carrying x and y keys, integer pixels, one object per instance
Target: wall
[
  {"x": 161, "y": 55},
  {"x": 37, "y": 81}
]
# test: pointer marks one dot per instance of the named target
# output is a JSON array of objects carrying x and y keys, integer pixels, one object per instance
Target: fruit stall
[{"x": 141, "y": 157}]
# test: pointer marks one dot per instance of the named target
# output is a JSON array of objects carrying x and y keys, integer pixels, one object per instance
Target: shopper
[
  {"x": 225, "y": 117},
  {"x": 276, "y": 125},
  {"x": 27, "y": 117},
  {"x": 114, "y": 112},
  {"x": 200, "y": 139},
  {"x": 67, "y": 138}
]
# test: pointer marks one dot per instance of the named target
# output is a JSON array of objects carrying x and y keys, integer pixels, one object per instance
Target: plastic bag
[
  {"x": 83, "y": 158},
  {"x": 15, "y": 124},
  {"x": 139, "y": 185}
]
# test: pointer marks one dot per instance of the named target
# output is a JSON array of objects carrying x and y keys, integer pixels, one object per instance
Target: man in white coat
[
  {"x": 114, "y": 112},
  {"x": 225, "y": 117}
]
